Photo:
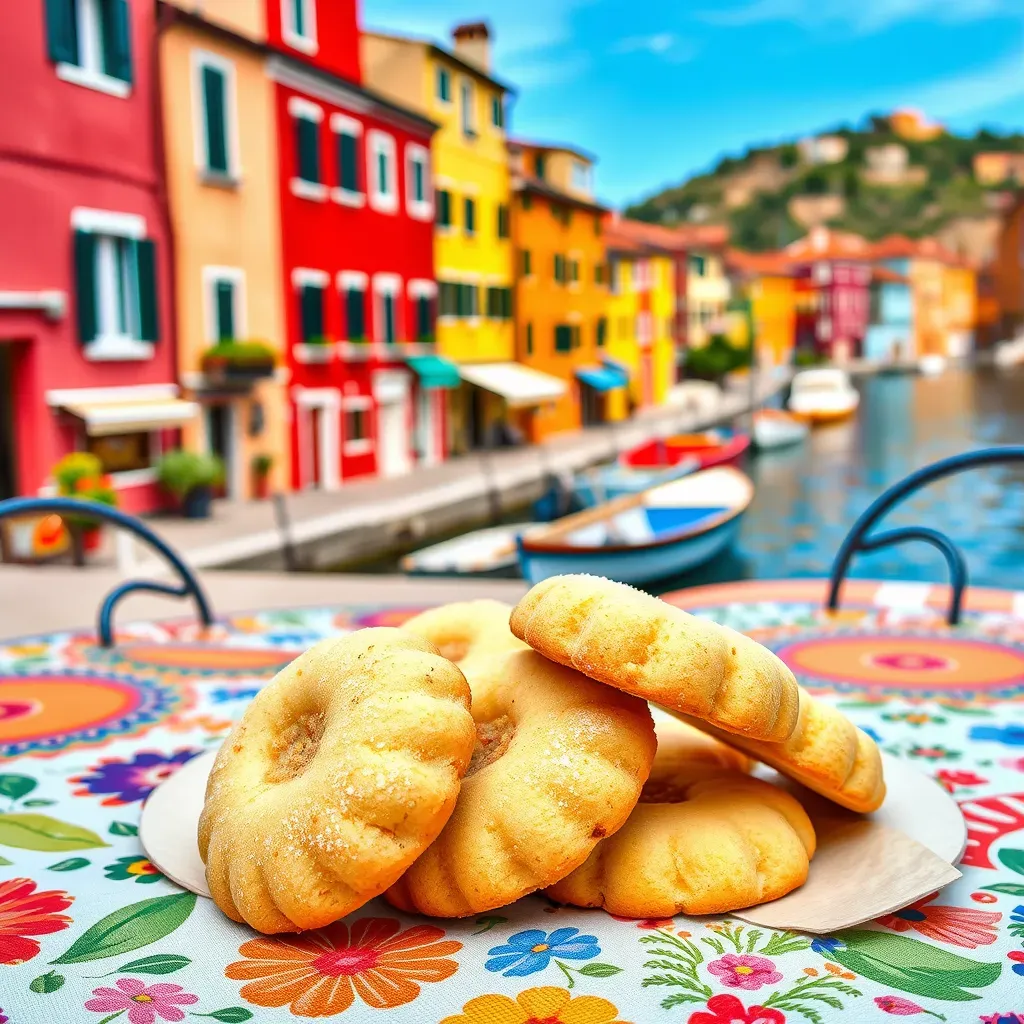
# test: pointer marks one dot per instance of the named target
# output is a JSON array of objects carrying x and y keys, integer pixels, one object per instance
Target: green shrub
[
  {"x": 181, "y": 472},
  {"x": 262, "y": 463},
  {"x": 240, "y": 353}
]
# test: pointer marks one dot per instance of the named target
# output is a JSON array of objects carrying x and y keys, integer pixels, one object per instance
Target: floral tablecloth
[{"x": 91, "y": 932}]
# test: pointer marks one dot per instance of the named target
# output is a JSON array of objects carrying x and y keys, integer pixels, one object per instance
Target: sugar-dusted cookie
[
  {"x": 559, "y": 764},
  {"x": 338, "y": 776},
  {"x": 469, "y": 633},
  {"x": 686, "y": 755},
  {"x": 640, "y": 644},
  {"x": 727, "y": 842},
  {"x": 826, "y": 752}
]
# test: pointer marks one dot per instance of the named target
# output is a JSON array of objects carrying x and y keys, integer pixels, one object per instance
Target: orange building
[
  {"x": 912, "y": 124},
  {"x": 1009, "y": 271},
  {"x": 560, "y": 286},
  {"x": 767, "y": 281}
]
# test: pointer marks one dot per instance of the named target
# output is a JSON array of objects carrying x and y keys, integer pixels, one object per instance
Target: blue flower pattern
[
  {"x": 531, "y": 951},
  {"x": 1008, "y": 735}
]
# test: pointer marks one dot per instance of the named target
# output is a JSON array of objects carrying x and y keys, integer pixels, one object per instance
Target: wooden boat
[
  {"x": 823, "y": 396},
  {"x": 614, "y": 480},
  {"x": 709, "y": 448},
  {"x": 774, "y": 428},
  {"x": 487, "y": 552},
  {"x": 637, "y": 538}
]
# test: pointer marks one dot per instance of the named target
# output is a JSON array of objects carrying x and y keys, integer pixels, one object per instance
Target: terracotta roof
[
  {"x": 527, "y": 183},
  {"x": 901, "y": 247},
  {"x": 884, "y": 275},
  {"x": 759, "y": 264},
  {"x": 552, "y": 147},
  {"x": 823, "y": 243}
]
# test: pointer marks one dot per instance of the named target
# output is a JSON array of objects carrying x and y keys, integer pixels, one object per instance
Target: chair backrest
[
  {"x": 93, "y": 510},
  {"x": 857, "y": 539}
]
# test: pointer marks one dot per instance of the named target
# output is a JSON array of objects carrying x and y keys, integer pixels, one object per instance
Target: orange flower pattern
[
  {"x": 319, "y": 974},
  {"x": 544, "y": 1005}
]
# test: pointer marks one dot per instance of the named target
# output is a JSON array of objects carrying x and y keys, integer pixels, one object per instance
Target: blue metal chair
[
  {"x": 189, "y": 586},
  {"x": 856, "y": 540}
]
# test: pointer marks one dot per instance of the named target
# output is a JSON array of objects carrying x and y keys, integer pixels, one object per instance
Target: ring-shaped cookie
[
  {"x": 559, "y": 765},
  {"x": 732, "y": 842},
  {"x": 339, "y": 774},
  {"x": 645, "y": 646},
  {"x": 469, "y": 633}
]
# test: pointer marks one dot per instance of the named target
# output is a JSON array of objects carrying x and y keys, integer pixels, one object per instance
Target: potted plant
[
  {"x": 80, "y": 475},
  {"x": 239, "y": 362},
  {"x": 261, "y": 466},
  {"x": 191, "y": 477}
]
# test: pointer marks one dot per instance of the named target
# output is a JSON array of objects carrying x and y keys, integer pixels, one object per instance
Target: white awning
[
  {"x": 103, "y": 418},
  {"x": 517, "y": 384}
]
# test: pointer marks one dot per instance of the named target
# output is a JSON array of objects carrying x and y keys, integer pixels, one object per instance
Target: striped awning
[
  {"x": 104, "y": 418},
  {"x": 519, "y": 385}
]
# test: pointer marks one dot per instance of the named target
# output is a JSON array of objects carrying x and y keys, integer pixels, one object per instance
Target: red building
[
  {"x": 832, "y": 271},
  {"x": 358, "y": 251},
  {"x": 86, "y": 357}
]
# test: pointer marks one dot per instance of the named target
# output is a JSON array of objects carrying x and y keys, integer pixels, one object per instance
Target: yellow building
[
  {"x": 561, "y": 292},
  {"x": 707, "y": 285},
  {"x": 766, "y": 281},
  {"x": 647, "y": 275},
  {"x": 472, "y": 248},
  {"x": 219, "y": 140}
]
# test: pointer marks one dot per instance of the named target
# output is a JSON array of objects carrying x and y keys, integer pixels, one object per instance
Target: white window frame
[
  {"x": 111, "y": 225},
  {"x": 304, "y": 43},
  {"x": 307, "y": 110},
  {"x": 467, "y": 111},
  {"x": 418, "y": 209},
  {"x": 89, "y": 72},
  {"x": 379, "y": 143},
  {"x": 342, "y": 124},
  {"x": 581, "y": 176},
  {"x": 442, "y": 70},
  {"x": 306, "y": 275},
  {"x": 236, "y": 275},
  {"x": 390, "y": 285},
  {"x": 201, "y": 59},
  {"x": 363, "y": 445},
  {"x": 421, "y": 288}
]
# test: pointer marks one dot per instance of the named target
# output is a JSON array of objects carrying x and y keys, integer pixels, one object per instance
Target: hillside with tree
[{"x": 873, "y": 180}]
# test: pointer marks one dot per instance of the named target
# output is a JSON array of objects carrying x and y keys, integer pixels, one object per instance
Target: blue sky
[{"x": 659, "y": 89}]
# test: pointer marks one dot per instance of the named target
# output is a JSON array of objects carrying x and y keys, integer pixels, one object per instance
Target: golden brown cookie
[
  {"x": 469, "y": 633},
  {"x": 686, "y": 755},
  {"x": 731, "y": 842},
  {"x": 640, "y": 644},
  {"x": 559, "y": 764},
  {"x": 826, "y": 752},
  {"x": 338, "y": 776}
]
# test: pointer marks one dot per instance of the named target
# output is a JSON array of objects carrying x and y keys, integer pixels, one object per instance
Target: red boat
[{"x": 710, "y": 448}]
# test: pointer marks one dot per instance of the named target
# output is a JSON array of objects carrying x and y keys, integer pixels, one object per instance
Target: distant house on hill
[
  {"x": 912, "y": 124},
  {"x": 823, "y": 149},
  {"x": 997, "y": 168}
]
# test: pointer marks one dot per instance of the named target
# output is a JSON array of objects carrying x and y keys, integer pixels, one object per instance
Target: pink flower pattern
[
  {"x": 897, "y": 1006},
  {"x": 746, "y": 972},
  {"x": 143, "y": 1003}
]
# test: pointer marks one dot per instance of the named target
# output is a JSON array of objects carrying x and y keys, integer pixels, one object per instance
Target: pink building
[{"x": 86, "y": 353}]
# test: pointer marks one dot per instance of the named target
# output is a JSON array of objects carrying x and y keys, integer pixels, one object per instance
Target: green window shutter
[
  {"x": 529, "y": 339},
  {"x": 527, "y": 269},
  {"x": 602, "y": 332},
  {"x": 216, "y": 127},
  {"x": 355, "y": 315},
  {"x": 312, "y": 311},
  {"x": 508, "y": 304},
  {"x": 388, "y": 302},
  {"x": 348, "y": 162},
  {"x": 149, "y": 309},
  {"x": 470, "y": 215},
  {"x": 444, "y": 207},
  {"x": 473, "y": 295},
  {"x": 61, "y": 31},
  {"x": 503, "y": 225},
  {"x": 85, "y": 286},
  {"x": 298, "y": 16},
  {"x": 424, "y": 321},
  {"x": 563, "y": 338},
  {"x": 418, "y": 190},
  {"x": 307, "y": 135},
  {"x": 538, "y": 165},
  {"x": 225, "y": 294},
  {"x": 117, "y": 40}
]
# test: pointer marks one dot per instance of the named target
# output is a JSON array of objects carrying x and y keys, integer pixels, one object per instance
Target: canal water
[{"x": 808, "y": 496}]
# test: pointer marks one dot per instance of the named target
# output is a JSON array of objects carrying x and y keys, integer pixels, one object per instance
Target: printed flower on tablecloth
[
  {"x": 140, "y": 868},
  {"x": 24, "y": 912},
  {"x": 726, "y": 1009},
  {"x": 959, "y": 926},
  {"x": 531, "y": 951},
  {"x": 1018, "y": 961},
  {"x": 320, "y": 973},
  {"x": 3, "y": 1019},
  {"x": 650, "y": 923},
  {"x": 1001, "y": 1018},
  {"x": 914, "y": 718},
  {"x": 949, "y": 779},
  {"x": 546, "y": 1005},
  {"x": 131, "y": 781},
  {"x": 1008, "y": 735},
  {"x": 898, "y": 1006},
  {"x": 142, "y": 1002},
  {"x": 936, "y": 753},
  {"x": 746, "y": 972}
]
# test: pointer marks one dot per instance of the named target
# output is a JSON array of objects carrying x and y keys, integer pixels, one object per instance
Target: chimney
[{"x": 473, "y": 44}]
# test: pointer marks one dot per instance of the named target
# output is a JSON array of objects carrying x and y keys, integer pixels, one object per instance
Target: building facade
[
  {"x": 561, "y": 288},
  {"x": 455, "y": 89},
  {"x": 765, "y": 280},
  {"x": 86, "y": 320},
  {"x": 220, "y": 150},
  {"x": 707, "y": 283}
]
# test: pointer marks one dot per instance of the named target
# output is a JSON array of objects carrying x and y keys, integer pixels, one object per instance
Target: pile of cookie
[{"x": 481, "y": 753}]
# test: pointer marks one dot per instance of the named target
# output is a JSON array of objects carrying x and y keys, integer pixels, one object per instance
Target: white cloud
[
  {"x": 861, "y": 16},
  {"x": 658, "y": 43}
]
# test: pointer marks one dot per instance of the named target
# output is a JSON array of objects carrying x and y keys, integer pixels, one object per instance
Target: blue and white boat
[
  {"x": 637, "y": 538},
  {"x": 614, "y": 480}
]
